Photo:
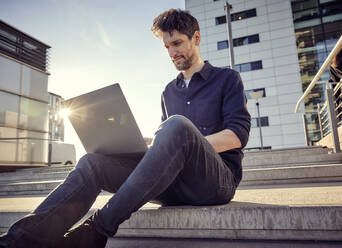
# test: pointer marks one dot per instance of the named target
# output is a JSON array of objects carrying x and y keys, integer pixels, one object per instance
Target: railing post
[
  {"x": 320, "y": 120},
  {"x": 306, "y": 131},
  {"x": 332, "y": 116}
]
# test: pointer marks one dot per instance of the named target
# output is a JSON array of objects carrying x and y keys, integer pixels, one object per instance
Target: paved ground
[{"x": 328, "y": 194}]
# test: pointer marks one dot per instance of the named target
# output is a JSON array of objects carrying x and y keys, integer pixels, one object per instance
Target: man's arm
[
  {"x": 236, "y": 119},
  {"x": 224, "y": 140}
]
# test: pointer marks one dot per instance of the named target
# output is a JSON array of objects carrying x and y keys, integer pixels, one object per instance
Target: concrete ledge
[
  {"x": 217, "y": 243},
  {"x": 237, "y": 220}
]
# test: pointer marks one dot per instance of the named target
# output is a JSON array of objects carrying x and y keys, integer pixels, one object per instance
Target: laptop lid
[{"x": 104, "y": 122}]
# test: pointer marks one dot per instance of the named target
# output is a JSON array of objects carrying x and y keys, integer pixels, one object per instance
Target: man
[{"x": 194, "y": 159}]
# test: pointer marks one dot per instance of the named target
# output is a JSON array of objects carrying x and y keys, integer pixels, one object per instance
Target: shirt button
[
  {"x": 204, "y": 128},
  {"x": 188, "y": 102}
]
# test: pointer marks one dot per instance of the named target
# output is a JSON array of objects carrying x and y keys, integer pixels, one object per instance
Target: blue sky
[{"x": 97, "y": 43}]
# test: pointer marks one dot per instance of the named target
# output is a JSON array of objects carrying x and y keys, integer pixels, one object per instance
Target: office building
[
  {"x": 318, "y": 26},
  {"x": 24, "y": 98},
  {"x": 271, "y": 42},
  {"x": 56, "y": 120}
]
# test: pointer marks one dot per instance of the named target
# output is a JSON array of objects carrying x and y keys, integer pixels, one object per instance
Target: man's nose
[{"x": 172, "y": 52}]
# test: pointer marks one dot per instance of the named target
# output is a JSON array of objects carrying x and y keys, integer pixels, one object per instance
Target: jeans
[{"x": 179, "y": 168}]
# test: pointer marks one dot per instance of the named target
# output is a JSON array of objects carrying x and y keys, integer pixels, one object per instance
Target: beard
[{"x": 185, "y": 64}]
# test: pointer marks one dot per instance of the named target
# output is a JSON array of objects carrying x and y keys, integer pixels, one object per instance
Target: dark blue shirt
[{"x": 214, "y": 101}]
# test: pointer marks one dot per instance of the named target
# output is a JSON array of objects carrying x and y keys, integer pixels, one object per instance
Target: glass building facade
[
  {"x": 56, "y": 120},
  {"x": 318, "y": 26},
  {"x": 24, "y": 98}
]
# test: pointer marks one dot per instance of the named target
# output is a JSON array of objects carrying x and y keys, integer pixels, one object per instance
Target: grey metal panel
[{"x": 104, "y": 122}]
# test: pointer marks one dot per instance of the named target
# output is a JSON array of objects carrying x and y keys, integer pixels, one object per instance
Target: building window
[
  {"x": 246, "y": 40},
  {"x": 220, "y": 20},
  {"x": 255, "y": 90},
  {"x": 238, "y": 41},
  {"x": 236, "y": 16},
  {"x": 243, "y": 15},
  {"x": 222, "y": 45},
  {"x": 257, "y": 65},
  {"x": 257, "y": 122},
  {"x": 307, "y": 10},
  {"x": 251, "y": 66},
  {"x": 257, "y": 148}
]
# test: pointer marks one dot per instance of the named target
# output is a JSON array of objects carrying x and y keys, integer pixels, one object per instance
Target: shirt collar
[{"x": 204, "y": 72}]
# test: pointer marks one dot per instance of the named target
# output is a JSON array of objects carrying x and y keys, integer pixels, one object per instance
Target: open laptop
[{"x": 104, "y": 122}]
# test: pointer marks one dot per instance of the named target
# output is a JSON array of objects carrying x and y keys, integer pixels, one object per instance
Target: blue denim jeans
[{"x": 180, "y": 168}]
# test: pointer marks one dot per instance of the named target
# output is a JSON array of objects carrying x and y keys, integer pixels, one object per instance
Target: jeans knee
[
  {"x": 88, "y": 161},
  {"x": 178, "y": 123},
  {"x": 177, "y": 129}
]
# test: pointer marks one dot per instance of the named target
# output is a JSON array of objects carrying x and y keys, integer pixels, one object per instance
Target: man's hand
[{"x": 224, "y": 140}]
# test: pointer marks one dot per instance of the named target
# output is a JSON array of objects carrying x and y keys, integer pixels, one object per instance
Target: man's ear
[{"x": 197, "y": 38}]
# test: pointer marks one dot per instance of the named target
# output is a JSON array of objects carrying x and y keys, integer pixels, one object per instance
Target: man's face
[{"x": 182, "y": 51}]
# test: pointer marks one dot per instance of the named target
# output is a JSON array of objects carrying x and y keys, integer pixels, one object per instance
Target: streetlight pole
[
  {"x": 259, "y": 124},
  {"x": 256, "y": 95},
  {"x": 227, "y": 8},
  {"x": 50, "y": 136}
]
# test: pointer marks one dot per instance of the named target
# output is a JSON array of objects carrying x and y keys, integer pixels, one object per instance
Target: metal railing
[
  {"x": 22, "y": 47},
  {"x": 327, "y": 113},
  {"x": 323, "y": 110},
  {"x": 318, "y": 75}
]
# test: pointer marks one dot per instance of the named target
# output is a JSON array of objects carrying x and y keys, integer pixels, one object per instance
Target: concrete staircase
[
  {"x": 296, "y": 156},
  {"x": 292, "y": 165},
  {"x": 288, "y": 198},
  {"x": 33, "y": 181},
  {"x": 270, "y": 167}
]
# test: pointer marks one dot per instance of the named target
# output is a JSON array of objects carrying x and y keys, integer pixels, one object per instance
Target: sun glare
[{"x": 65, "y": 112}]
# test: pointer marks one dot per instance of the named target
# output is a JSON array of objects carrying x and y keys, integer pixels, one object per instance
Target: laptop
[{"x": 104, "y": 122}]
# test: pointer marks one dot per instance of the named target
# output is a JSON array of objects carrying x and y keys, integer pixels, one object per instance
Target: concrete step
[
  {"x": 217, "y": 243},
  {"x": 53, "y": 168},
  {"x": 44, "y": 183},
  {"x": 303, "y": 150},
  {"x": 43, "y": 176},
  {"x": 32, "y": 171},
  {"x": 289, "y": 175},
  {"x": 292, "y": 214},
  {"x": 28, "y": 188},
  {"x": 276, "y": 159},
  {"x": 237, "y": 221}
]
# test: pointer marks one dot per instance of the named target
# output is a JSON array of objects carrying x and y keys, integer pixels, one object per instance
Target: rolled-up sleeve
[{"x": 234, "y": 108}]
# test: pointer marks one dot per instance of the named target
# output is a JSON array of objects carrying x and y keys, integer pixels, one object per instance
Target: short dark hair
[{"x": 175, "y": 19}]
